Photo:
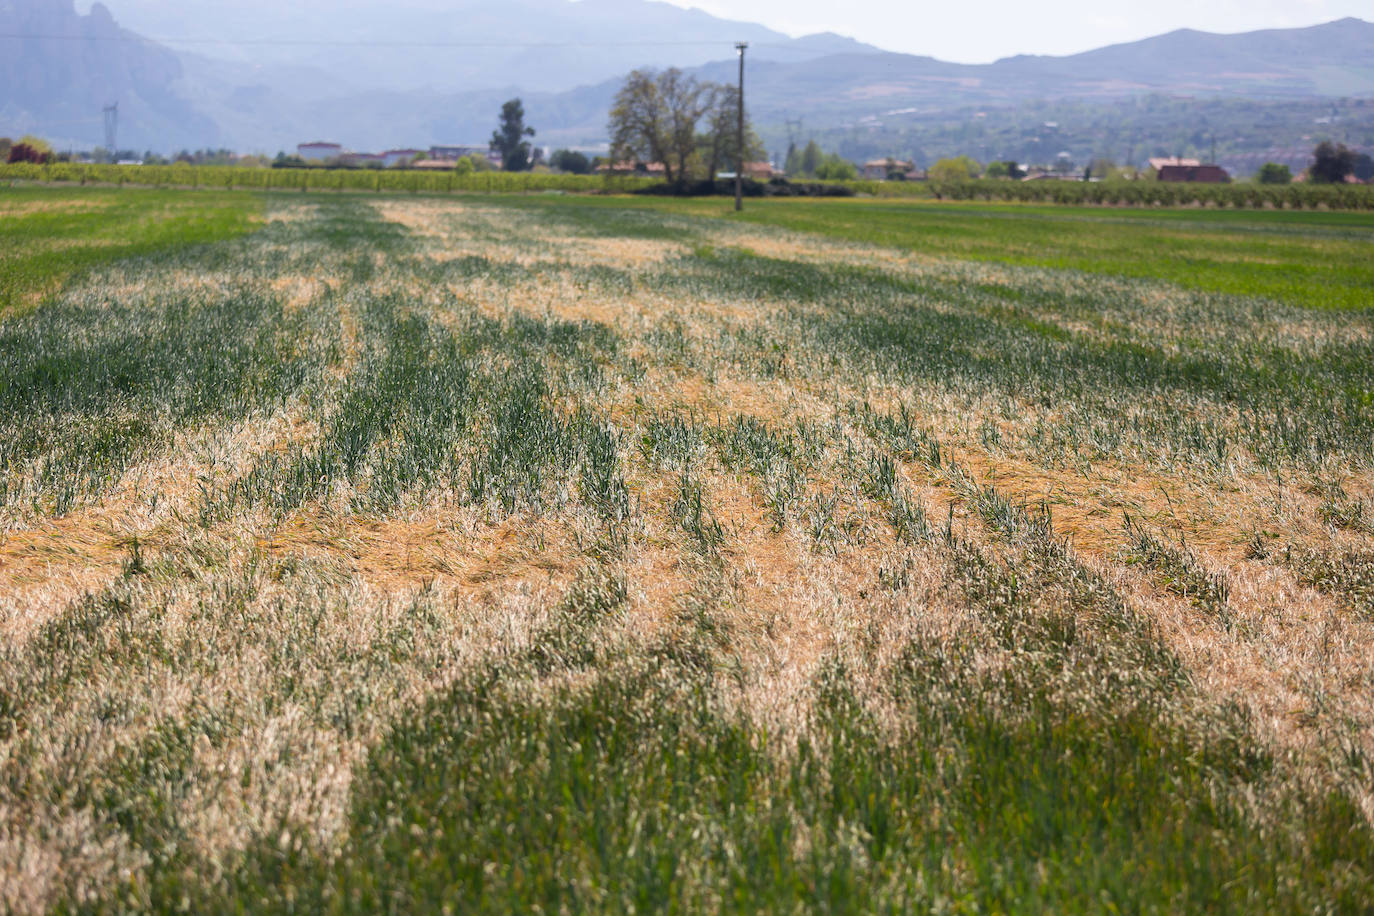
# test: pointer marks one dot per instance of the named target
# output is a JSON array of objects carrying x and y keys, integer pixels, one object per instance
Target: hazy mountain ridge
[
  {"x": 271, "y": 96},
  {"x": 56, "y": 84},
  {"x": 539, "y": 45},
  {"x": 1271, "y": 61}
]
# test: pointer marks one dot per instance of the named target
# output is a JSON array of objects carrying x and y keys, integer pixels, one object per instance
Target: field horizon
[{"x": 510, "y": 552}]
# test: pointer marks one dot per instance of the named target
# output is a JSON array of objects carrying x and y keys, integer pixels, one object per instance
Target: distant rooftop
[{"x": 1159, "y": 162}]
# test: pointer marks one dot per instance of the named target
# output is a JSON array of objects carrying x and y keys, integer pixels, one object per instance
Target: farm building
[
  {"x": 1211, "y": 174},
  {"x": 454, "y": 153},
  {"x": 1159, "y": 162},
  {"x": 880, "y": 169},
  {"x": 757, "y": 171},
  {"x": 360, "y": 159},
  {"x": 319, "y": 151},
  {"x": 651, "y": 169}
]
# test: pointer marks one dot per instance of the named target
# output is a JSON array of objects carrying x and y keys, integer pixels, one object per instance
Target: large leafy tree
[
  {"x": 509, "y": 139},
  {"x": 835, "y": 167},
  {"x": 1331, "y": 163},
  {"x": 1274, "y": 173},
  {"x": 719, "y": 146},
  {"x": 655, "y": 118},
  {"x": 958, "y": 168},
  {"x": 567, "y": 160},
  {"x": 803, "y": 163},
  {"x": 30, "y": 149},
  {"x": 1364, "y": 166},
  {"x": 792, "y": 164}
]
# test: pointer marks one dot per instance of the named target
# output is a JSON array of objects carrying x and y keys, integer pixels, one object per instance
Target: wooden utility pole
[{"x": 739, "y": 132}]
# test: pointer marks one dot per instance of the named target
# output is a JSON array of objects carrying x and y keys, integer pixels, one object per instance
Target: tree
[
  {"x": 30, "y": 149},
  {"x": 6, "y": 144},
  {"x": 792, "y": 164},
  {"x": 835, "y": 167},
  {"x": 811, "y": 159},
  {"x": 1004, "y": 169},
  {"x": 1331, "y": 163},
  {"x": 509, "y": 139},
  {"x": 638, "y": 121},
  {"x": 476, "y": 162},
  {"x": 1274, "y": 173},
  {"x": 655, "y": 117},
  {"x": 959, "y": 168},
  {"x": 718, "y": 148},
  {"x": 1364, "y": 167},
  {"x": 38, "y": 143},
  {"x": 1101, "y": 167},
  {"x": 23, "y": 152},
  {"x": 566, "y": 160}
]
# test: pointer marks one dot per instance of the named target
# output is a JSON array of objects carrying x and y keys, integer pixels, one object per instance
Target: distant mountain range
[
  {"x": 54, "y": 81},
  {"x": 448, "y": 46},
  {"x": 266, "y": 75}
]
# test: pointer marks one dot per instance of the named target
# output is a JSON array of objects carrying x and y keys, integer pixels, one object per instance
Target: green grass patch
[
  {"x": 48, "y": 235},
  {"x": 1313, "y": 259}
]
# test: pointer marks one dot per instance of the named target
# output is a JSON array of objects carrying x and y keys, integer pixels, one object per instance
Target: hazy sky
[{"x": 984, "y": 30}]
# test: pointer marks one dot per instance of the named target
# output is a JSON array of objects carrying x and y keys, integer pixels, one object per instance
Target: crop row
[
  {"x": 1108, "y": 193},
  {"x": 1133, "y": 193},
  {"x": 229, "y": 177}
]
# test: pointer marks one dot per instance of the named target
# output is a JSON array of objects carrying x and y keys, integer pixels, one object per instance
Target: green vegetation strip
[
  {"x": 1312, "y": 259},
  {"x": 1110, "y": 193},
  {"x": 50, "y": 234},
  {"x": 181, "y": 175}
]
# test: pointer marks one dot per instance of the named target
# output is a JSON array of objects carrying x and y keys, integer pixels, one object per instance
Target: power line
[{"x": 328, "y": 43}]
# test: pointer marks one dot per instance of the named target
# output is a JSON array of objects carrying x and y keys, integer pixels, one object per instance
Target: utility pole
[{"x": 739, "y": 132}]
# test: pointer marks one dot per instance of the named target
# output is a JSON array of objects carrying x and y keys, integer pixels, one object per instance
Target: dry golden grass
[
  {"x": 47, "y": 562},
  {"x": 16, "y": 208},
  {"x": 450, "y": 548}
]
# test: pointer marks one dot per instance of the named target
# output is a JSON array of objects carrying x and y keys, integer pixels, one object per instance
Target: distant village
[
  {"x": 322, "y": 153},
  {"x": 435, "y": 157},
  {"x": 480, "y": 157}
]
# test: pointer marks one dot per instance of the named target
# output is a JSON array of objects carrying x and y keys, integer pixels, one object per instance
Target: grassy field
[
  {"x": 516, "y": 553},
  {"x": 1319, "y": 259},
  {"x": 46, "y": 237}
]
